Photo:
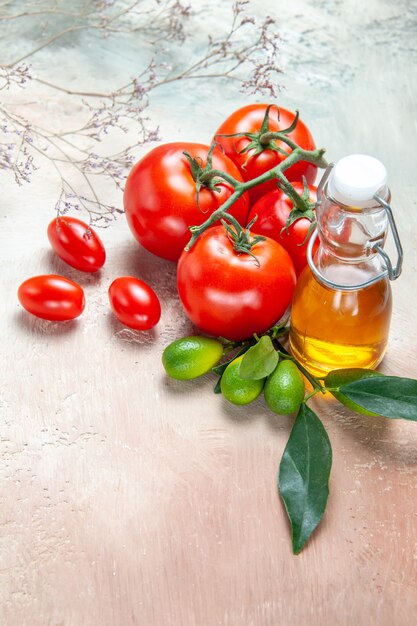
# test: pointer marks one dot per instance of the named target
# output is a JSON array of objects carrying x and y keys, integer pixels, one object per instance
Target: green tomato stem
[
  {"x": 299, "y": 201},
  {"x": 298, "y": 154},
  {"x": 269, "y": 136},
  {"x": 208, "y": 176},
  {"x": 196, "y": 231}
]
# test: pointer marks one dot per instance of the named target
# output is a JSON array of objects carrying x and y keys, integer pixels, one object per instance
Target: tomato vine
[{"x": 276, "y": 173}]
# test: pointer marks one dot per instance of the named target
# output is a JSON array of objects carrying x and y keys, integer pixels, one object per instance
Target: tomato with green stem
[
  {"x": 275, "y": 213},
  {"x": 232, "y": 285},
  {"x": 171, "y": 189},
  {"x": 248, "y": 138}
]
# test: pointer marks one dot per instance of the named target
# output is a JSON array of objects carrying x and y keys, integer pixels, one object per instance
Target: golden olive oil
[{"x": 332, "y": 329}]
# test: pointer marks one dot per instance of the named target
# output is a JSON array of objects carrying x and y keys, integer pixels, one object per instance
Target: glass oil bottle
[{"x": 341, "y": 309}]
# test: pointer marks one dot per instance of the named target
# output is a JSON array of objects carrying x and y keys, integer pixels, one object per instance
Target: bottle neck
[{"x": 350, "y": 234}]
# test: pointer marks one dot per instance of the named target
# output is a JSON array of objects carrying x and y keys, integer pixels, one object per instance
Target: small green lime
[
  {"x": 191, "y": 357},
  {"x": 284, "y": 388},
  {"x": 337, "y": 378},
  {"x": 236, "y": 389}
]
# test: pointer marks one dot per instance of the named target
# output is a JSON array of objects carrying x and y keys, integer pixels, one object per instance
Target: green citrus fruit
[
  {"x": 337, "y": 378},
  {"x": 191, "y": 357},
  {"x": 236, "y": 389},
  {"x": 284, "y": 388}
]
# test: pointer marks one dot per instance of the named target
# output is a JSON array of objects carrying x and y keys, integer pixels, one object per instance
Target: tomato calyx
[
  {"x": 241, "y": 238},
  {"x": 275, "y": 173},
  {"x": 303, "y": 207},
  {"x": 204, "y": 176},
  {"x": 265, "y": 139}
]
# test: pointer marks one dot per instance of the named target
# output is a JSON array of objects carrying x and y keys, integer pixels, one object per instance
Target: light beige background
[{"x": 128, "y": 498}]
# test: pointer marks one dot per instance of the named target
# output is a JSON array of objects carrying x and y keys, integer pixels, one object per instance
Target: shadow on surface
[
  {"x": 254, "y": 411},
  {"x": 58, "y": 266},
  {"x": 388, "y": 438},
  {"x": 240, "y": 414},
  {"x": 133, "y": 260},
  {"x": 180, "y": 388},
  {"x": 37, "y": 326},
  {"x": 130, "y": 337}
]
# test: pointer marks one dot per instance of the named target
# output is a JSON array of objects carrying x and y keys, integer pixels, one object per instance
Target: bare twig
[{"x": 24, "y": 144}]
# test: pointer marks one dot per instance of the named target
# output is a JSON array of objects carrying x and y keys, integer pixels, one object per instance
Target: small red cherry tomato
[
  {"x": 52, "y": 297},
  {"x": 273, "y": 210},
  {"x": 134, "y": 303},
  {"x": 76, "y": 243}
]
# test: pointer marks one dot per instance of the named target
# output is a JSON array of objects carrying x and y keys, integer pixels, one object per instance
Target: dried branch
[{"x": 245, "y": 48}]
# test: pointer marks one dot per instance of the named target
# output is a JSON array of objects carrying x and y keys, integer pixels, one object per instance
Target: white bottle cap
[{"x": 356, "y": 178}]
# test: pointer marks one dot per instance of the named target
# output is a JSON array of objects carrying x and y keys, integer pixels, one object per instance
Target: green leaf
[
  {"x": 389, "y": 396},
  {"x": 260, "y": 360},
  {"x": 336, "y": 378},
  {"x": 304, "y": 475},
  {"x": 217, "y": 388}
]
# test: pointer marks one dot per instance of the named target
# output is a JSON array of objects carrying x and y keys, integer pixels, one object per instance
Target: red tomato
[
  {"x": 249, "y": 119},
  {"x": 273, "y": 210},
  {"x": 160, "y": 197},
  {"x": 228, "y": 294},
  {"x": 134, "y": 303},
  {"x": 52, "y": 297},
  {"x": 76, "y": 243}
]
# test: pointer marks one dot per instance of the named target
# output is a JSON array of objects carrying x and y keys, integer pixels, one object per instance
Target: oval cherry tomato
[
  {"x": 76, "y": 243},
  {"x": 160, "y": 197},
  {"x": 134, "y": 303},
  {"x": 249, "y": 119},
  {"x": 52, "y": 297},
  {"x": 273, "y": 210},
  {"x": 229, "y": 294}
]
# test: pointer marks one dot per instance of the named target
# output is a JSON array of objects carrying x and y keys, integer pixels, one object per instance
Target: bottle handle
[
  {"x": 329, "y": 283},
  {"x": 323, "y": 181},
  {"x": 392, "y": 272}
]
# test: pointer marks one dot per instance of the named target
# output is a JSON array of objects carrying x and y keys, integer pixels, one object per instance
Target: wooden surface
[{"x": 128, "y": 498}]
